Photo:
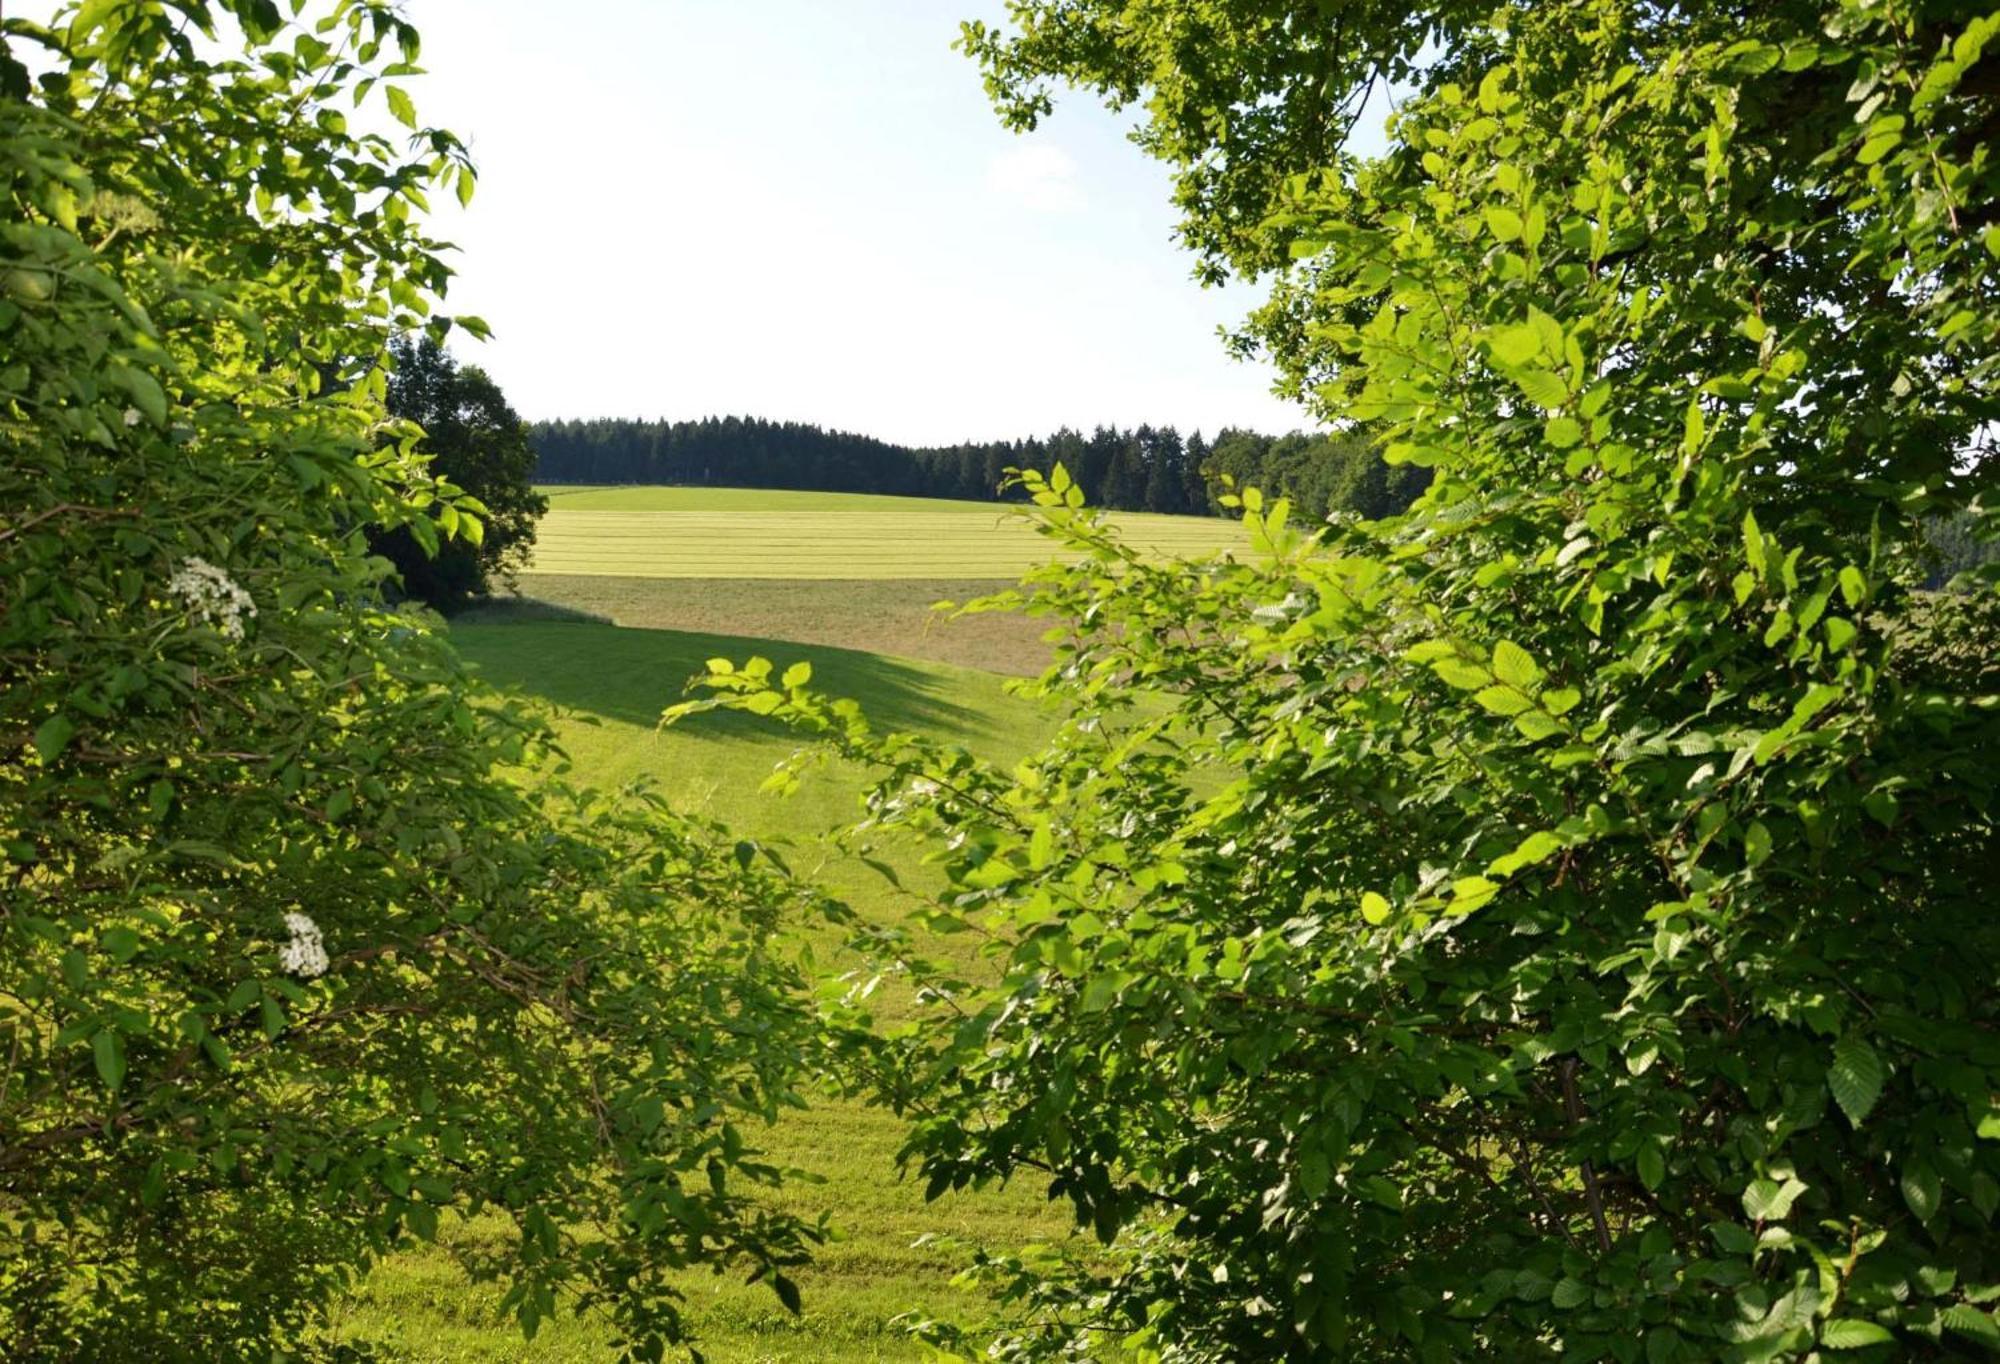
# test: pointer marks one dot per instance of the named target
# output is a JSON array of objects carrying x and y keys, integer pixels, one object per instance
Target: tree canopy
[{"x": 478, "y": 444}]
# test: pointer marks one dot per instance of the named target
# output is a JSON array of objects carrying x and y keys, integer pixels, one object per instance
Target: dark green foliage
[
  {"x": 478, "y": 446},
  {"x": 1147, "y": 469}
]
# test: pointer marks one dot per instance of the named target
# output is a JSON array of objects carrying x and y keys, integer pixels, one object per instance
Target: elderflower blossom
[
  {"x": 305, "y": 954},
  {"x": 132, "y": 416},
  {"x": 210, "y": 592}
]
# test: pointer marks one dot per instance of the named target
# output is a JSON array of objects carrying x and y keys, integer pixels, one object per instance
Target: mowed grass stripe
[{"x": 986, "y": 541}]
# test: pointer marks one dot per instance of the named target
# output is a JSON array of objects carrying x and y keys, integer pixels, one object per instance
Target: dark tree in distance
[{"x": 479, "y": 443}]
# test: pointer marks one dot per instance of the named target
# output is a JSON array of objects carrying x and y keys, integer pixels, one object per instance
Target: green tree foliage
[
  {"x": 1147, "y": 469},
  {"x": 294, "y": 963},
  {"x": 1557, "y": 923},
  {"x": 478, "y": 445}
]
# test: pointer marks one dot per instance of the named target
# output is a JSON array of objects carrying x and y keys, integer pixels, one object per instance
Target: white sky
[{"x": 806, "y": 209}]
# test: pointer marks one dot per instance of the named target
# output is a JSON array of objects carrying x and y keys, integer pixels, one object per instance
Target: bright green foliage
[
  {"x": 293, "y": 962},
  {"x": 1556, "y": 924}
]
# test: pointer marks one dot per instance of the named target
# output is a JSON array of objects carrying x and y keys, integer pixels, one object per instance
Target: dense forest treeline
[{"x": 1144, "y": 469}]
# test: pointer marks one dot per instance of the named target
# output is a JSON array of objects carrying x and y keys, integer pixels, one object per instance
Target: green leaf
[
  {"x": 121, "y": 943},
  {"x": 1922, "y": 1189},
  {"x": 1541, "y": 387},
  {"x": 1536, "y": 848},
  {"x": 1560, "y": 700},
  {"x": 1967, "y": 1320},
  {"x": 797, "y": 676},
  {"x": 1515, "y": 666},
  {"x": 1458, "y": 673},
  {"x": 52, "y": 736},
  {"x": 1100, "y": 991},
  {"x": 1756, "y": 843},
  {"x": 1514, "y": 346},
  {"x": 1855, "y": 1077},
  {"x": 1504, "y": 223},
  {"x": 1374, "y": 908},
  {"x": 1652, "y": 1165},
  {"x": 1502, "y": 700},
  {"x": 1536, "y": 726},
  {"x": 1767, "y": 1200},
  {"x": 108, "y": 1051},
  {"x": 1569, "y": 1293},
  {"x": 1854, "y": 1335},
  {"x": 400, "y": 105},
  {"x": 1563, "y": 432}
]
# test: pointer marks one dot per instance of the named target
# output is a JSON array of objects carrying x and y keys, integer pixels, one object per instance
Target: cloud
[{"x": 1037, "y": 176}]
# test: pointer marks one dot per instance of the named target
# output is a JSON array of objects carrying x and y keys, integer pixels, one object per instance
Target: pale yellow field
[{"x": 959, "y": 540}]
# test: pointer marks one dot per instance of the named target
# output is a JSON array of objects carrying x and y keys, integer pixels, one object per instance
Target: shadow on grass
[{"x": 584, "y": 665}]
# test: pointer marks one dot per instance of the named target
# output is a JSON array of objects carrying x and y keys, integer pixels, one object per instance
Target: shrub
[
  {"x": 294, "y": 961},
  {"x": 1556, "y": 923}
]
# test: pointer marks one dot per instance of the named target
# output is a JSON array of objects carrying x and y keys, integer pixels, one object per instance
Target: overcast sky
[{"x": 806, "y": 209}]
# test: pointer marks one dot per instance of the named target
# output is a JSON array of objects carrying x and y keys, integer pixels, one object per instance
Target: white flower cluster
[
  {"x": 305, "y": 954},
  {"x": 208, "y": 590}
]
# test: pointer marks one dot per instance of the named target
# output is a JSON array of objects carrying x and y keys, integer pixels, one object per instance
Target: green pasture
[
  {"x": 752, "y": 533},
  {"x": 611, "y": 684}
]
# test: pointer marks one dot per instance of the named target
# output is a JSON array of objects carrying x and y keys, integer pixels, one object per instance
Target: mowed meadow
[
  {"x": 630, "y": 592},
  {"x": 758, "y": 533}
]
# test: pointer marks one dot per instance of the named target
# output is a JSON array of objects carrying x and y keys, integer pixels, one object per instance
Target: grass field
[
  {"x": 754, "y": 533},
  {"x": 656, "y": 581},
  {"x": 881, "y": 616},
  {"x": 613, "y": 682}
]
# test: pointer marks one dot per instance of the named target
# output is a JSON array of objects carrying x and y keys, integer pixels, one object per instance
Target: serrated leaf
[
  {"x": 1515, "y": 666},
  {"x": 400, "y": 106},
  {"x": 1560, "y": 700},
  {"x": 1504, "y": 223},
  {"x": 1458, "y": 673},
  {"x": 1856, "y": 1078},
  {"x": 1502, "y": 700},
  {"x": 1570, "y": 1293},
  {"x": 1537, "y": 726},
  {"x": 1970, "y": 1321},
  {"x": 1562, "y": 432},
  {"x": 1854, "y": 1335},
  {"x": 1922, "y": 1189},
  {"x": 1541, "y": 387}
]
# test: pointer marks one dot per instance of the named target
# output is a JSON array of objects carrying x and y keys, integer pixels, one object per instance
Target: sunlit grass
[{"x": 613, "y": 682}]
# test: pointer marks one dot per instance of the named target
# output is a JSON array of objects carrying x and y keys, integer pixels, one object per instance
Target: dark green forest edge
[
  {"x": 1551, "y": 924},
  {"x": 1146, "y": 469}
]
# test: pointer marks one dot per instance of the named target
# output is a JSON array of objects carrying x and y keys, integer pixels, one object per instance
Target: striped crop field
[{"x": 754, "y": 533}]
